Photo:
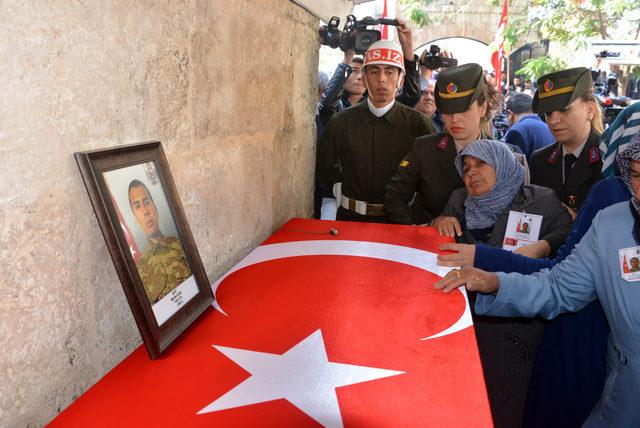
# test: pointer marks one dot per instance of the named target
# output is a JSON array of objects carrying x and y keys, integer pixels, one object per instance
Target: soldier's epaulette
[
  {"x": 554, "y": 155},
  {"x": 594, "y": 155},
  {"x": 443, "y": 143}
]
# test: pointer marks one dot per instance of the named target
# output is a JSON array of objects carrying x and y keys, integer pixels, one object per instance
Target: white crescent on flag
[{"x": 420, "y": 259}]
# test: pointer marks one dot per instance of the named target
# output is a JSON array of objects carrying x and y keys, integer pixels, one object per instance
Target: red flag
[
  {"x": 496, "y": 56},
  {"x": 131, "y": 242},
  {"x": 625, "y": 265},
  {"x": 314, "y": 328},
  {"x": 385, "y": 30},
  {"x": 519, "y": 226}
]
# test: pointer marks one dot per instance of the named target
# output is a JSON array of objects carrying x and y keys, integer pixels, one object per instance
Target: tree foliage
[
  {"x": 575, "y": 21},
  {"x": 416, "y": 11},
  {"x": 536, "y": 67}
]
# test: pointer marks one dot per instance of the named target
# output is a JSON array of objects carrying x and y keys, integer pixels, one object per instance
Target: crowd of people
[{"x": 546, "y": 221}]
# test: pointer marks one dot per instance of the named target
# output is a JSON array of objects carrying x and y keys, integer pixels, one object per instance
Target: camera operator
[
  {"x": 344, "y": 89},
  {"x": 362, "y": 146}
]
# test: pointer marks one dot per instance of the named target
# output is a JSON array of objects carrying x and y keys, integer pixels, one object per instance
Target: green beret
[
  {"x": 457, "y": 87},
  {"x": 559, "y": 89}
]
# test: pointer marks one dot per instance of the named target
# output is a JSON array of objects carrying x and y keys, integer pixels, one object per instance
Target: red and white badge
[
  {"x": 630, "y": 263},
  {"x": 522, "y": 229}
]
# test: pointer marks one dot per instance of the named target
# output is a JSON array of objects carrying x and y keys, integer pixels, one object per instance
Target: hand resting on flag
[{"x": 472, "y": 278}]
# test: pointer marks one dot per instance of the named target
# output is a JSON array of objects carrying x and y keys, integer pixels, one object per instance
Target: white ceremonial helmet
[{"x": 384, "y": 52}]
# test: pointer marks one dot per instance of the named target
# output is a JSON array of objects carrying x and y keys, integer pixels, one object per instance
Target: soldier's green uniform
[
  {"x": 363, "y": 151},
  {"x": 162, "y": 267},
  {"x": 428, "y": 170},
  {"x": 555, "y": 92}
]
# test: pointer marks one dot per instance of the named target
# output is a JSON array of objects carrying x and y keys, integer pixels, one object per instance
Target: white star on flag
[{"x": 303, "y": 375}]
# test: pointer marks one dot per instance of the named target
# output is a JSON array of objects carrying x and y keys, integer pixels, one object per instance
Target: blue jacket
[
  {"x": 593, "y": 270},
  {"x": 529, "y": 134},
  {"x": 569, "y": 370}
]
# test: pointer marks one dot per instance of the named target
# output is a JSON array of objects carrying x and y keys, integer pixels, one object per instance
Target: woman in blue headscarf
[
  {"x": 598, "y": 267},
  {"x": 569, "y": 370},
  {"x": 479, "y": 212}
]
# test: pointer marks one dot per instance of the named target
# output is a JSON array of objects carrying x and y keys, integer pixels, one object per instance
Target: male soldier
[
  {"x": 363, "y": 145},
  {"x": 572, "y": 165},
  {"x": 163, "y": 265}
]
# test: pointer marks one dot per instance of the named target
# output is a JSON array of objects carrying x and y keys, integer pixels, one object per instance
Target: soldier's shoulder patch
[{"x": 404, "y": 163}]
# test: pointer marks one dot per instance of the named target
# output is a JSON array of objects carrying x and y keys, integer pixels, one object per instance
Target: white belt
[{"x": 361, "y": 207}]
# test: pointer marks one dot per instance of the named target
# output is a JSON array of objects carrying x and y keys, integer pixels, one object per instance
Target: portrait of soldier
[
  {"x": 525, "y": 227},
  {"x": 163, "y": 265},
  {"x": 635, "y": 264}
]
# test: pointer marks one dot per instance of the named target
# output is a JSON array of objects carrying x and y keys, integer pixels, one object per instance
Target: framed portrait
[{"x": 148, "y": 236}]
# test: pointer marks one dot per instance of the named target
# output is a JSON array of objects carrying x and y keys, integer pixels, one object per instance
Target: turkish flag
[
  {"x": 315, "y": 327},
  {"x": 131, "y": 242},
  {"x": 496, "y": 56},
  {"x": 385, "y": 28},
  {"x": 625, "y": 265}
]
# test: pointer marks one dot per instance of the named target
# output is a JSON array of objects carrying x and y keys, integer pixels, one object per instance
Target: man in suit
[{"x": 572, "y": 165}]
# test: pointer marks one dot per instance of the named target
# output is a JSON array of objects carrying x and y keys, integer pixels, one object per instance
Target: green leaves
[
  {"x": 536, "y": 67},
  {"x": 416, "y": 10}
]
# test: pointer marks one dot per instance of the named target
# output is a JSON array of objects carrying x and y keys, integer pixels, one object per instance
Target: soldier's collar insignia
[
  {"x": 594, "y": 155},
  {"x": 442, "y": 144},
  {"x": 452, "y": 88},
  {"x": 554, "y": 155},
  {"x": 548, "y": 85}
]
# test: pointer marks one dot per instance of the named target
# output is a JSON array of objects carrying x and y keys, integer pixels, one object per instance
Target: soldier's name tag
[
  {"x": 522, "y": 229},
  {"x": 630, "y": 263}
]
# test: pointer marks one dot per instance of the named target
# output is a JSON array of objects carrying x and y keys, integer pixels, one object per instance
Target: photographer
[{"x": 345, "y": 88}]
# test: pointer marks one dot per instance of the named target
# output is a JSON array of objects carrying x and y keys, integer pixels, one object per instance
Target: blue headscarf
[
  {"x": 483, "y": 211},
  {"x": 631, "y": 153}
]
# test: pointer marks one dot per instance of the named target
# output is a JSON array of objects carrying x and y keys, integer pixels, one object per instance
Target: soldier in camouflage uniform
[{"x": 163, "y": 265}]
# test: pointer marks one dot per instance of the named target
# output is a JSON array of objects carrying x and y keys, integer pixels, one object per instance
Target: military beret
[
  {"x": 457, "y": 87},
  {"x": 559, "y": 89}
]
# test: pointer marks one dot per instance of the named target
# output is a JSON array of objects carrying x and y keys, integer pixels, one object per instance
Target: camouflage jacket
[{"x": 162, "y": 267}]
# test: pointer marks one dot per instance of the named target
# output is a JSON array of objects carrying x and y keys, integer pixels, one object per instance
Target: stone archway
[{"x": 475, "y": 20}]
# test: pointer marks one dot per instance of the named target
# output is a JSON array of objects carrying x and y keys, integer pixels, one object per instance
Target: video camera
[
  {"x": 607, "y": 54},
  {"x": 355, "y": 34},
  {"x": 433, "y": 60}
]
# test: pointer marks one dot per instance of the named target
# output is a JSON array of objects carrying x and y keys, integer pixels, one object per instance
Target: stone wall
[
  {"x": 473, "y": 19},
  {"x": 229, "y": 89}
]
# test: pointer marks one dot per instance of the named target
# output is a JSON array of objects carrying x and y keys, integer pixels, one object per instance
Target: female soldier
[
  {"x": 465, "y": 102},
  {"x": 572, "y": 165},
  {"x": 597, "y": 268},
  {"x": 480, "y": 212}
]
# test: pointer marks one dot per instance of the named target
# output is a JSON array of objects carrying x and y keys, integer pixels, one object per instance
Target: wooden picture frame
[{"x": 148, "y": 236}]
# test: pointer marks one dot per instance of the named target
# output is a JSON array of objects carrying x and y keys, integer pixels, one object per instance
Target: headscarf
[
  {"x": 483, "y": 211},
  {"x": 624, "y": 159},
  {"x": 618, "y": 136}
]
